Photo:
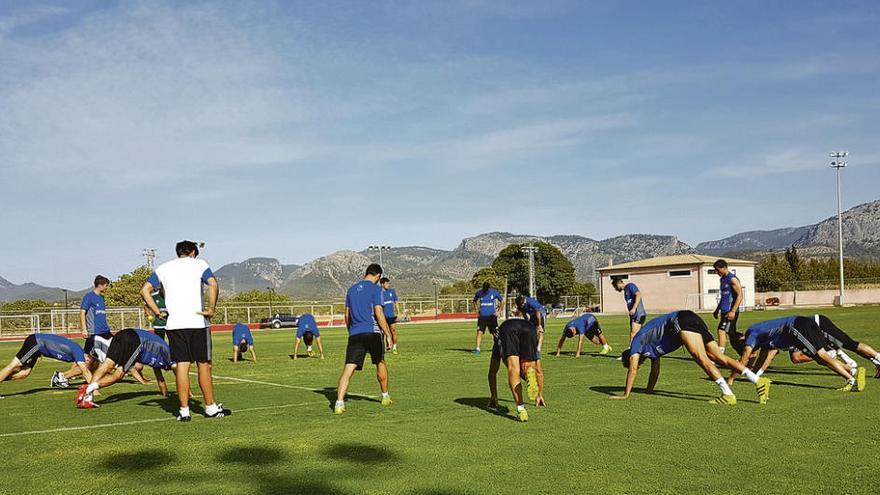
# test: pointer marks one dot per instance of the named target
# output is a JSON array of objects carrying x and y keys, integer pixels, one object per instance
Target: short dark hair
[
  {"x": 243, "y": 346},
  {"x": 308, "y": 337},
  {"x": 519, "y": 301},
  {"x": 101, "y": 280},
  {"x": 384, "y": 279},
  {"x": 570, "y": 332},
  {"x": 374, "y": 269},
  {"x": 719, "y": 264},
  {"x": 615, "y": 280},
  {"x": 486, "y": 286},
  {"x": 185, "y": 248}
]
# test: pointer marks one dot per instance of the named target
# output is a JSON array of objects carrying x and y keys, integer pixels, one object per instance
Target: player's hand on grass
[
  {"x": 540, "y": 402},
  {"x": 619, "y": 397}
]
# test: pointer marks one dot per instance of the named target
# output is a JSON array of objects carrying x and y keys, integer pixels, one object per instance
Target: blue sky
[{"x": 294, "y": 129}]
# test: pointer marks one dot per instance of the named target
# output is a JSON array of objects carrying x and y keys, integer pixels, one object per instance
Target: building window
[
  {"x": 679, "y": 273},
  {"x": 714, "y": 291}
]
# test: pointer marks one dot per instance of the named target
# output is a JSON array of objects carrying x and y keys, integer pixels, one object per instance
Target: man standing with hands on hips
[{"x": 187, "y": 321}]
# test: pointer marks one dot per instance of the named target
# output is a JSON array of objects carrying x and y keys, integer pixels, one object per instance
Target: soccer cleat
[
  {"x": 80, "y": 394},
  {"x": 394, "y": 350},
  {"x": 763, "y": 388},
  {"x": 338, "y": 409},
  {"x": 311, "y": 354},
  {"x": 476, "y": 352},
  {"x": 387, "y": 401},
  {"x": 877, "y": 372},
  {"x": 860, "y": 379},
  {"x": 532, "y": 378},
  {"x": 184, "y": 419},
  {"x": 87, "y": 404},
  {"x": 606, "y": 350},
  {"x": 846, "y": 388},
  {"x": 523, "y": 416},
  {"x": 724, "y": 400},
  {"x": 220, "y": 412}
]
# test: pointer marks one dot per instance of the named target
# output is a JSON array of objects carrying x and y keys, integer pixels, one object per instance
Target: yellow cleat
[
  {"x": 394, "y": 351},
  {"x": 724, "y": 400},
  {"x": 523, "y": 416},
  {"x": 338, "y": 409},
  {"x": 860, "y": 379},
  {"x": 387, "y": 401},
  {"x": 532, "y": 378},
  {"x": 763, "y": 389},
  {"x": 846, "y": 388},
  {"x": 311, "y": 354},
  {"x": 606, "y": 350}
]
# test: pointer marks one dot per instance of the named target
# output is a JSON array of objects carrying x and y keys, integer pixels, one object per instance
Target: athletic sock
[
  {"x": 759, "y": 373},
  {"x": 309, "y": 349},
  {"x": 722, "y": 349},
  {"x": 876, "y": 359},
  {"x": 394, "y": 347},
  {"x": 604, "y": 346},
  {"x": 725, "y": 388},
  {"x": 384, "y": 395},
  {"x": 212, "y": 409},
  {"x": 340, "y": 403},
  {"x": 184, "y": 411},
  {"x": 520, "y": 407},
  {"x": 848, "y": 360},
  {"x": 851, "y": 381},
  {"x": 91, "y": 388},
  {"x": 476, "y": 348},
  {"x": 750, "y": 376}
]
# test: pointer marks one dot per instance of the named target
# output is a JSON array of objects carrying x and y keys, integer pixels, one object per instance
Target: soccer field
[{"x": 438, "y": 438}]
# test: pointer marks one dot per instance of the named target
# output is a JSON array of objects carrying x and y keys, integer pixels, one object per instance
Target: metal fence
[{"x": 825, "y": 284}]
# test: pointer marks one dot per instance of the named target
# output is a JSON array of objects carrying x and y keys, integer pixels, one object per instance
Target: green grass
[{"x": 437, "y": 438}]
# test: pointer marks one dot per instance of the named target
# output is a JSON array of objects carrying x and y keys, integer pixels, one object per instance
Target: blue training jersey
[
  {"x": 770, "y": 334},
  {"x": 360, "y": 300},
  {"x": 389, "y": 297},
  {"x": 487, "y": 301},
  {"x": 581, "y": 323},
  {"x": 727, "y": 294},
  {"x": 629, "y": 295},
  {"x": 305, "y": 324},
  {"x": 60, "y": 348},
  {"x": 96, "y": 313},
  {"x": 655, "y": 338},
  {"x": 154, "y": 352},
  {"x": 532, "y": 308},
  {"x": 241, "y": 331}
]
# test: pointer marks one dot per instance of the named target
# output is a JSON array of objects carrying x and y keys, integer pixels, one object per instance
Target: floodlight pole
[
  {"x": 380, "y": 249},
  {"x": 271, "y": 313},
  {"x": 838, "y": 164},
  {"x": 150, "y": 254},
  {"x": 530, "y": 250}
]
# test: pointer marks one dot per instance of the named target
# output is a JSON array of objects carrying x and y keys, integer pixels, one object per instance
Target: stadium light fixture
[
  {"x": 838, "y": 163},
  {"x": 379, "y": 248}
]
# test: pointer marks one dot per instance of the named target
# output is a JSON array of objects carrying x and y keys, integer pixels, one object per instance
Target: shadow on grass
[
  {"x": 168, "y": 404},
  {"x": 38, "y": 390},
  {"x": 127, "y": 396},
  {"x": 330, "y": 394},
  {"x": 139, "y": 460},
  {"x": 801, "y": 385},
  {"x": 274, "y": 485},
  {"x": 480, "y": 403},
  {"x": 618, "y": 390},
  {"x": 461, "y": 349},
  {"x": 252, "y": 456},
  {"x": 361, "y": 453}
]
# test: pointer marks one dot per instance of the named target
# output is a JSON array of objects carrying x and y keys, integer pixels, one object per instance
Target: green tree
[
  {"x": 258, "y": 296},
  {"x": 457, "y": 288},
  {"x": 25, "y": 306},
  {"x": 771, "y": 274},
  {"x": 126, "y": 291},
  {"x": 554, "y": 273},
  {"x": 487, "y": 275}
]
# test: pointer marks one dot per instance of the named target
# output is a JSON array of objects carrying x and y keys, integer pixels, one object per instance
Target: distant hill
[
  {"x": 30, "y": 290},
  {"x": 253, "y": 273},
  {"x": 861, "y": 234}
]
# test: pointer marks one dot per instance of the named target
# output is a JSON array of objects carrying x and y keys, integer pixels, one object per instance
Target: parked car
[{"x": 279, "y": 321}]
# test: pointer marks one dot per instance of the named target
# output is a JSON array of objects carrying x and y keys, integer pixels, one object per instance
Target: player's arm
[
  {"x": 160, "y": 380},
  {"x": 253, "y": 353},
  {"x": 347, "y": 318},
  {"x": 136, "y": 374},
  {"x": 85, "y": 370},
  {"x": 798, "y": 357},
  {"x": 631, "y": 373},
  {"x": 296, "y": 347},
  {"x": 561, "y": 342},
  {"x": 654, "y": 376},
  {"x": 147, "y": 296},
  {"x": 82, "y": 323},
  {"x": 768, "y": 355},
  {"x": 581, "y": 338},
  {"x": 213, "y": 293},
  {"x": 234, "y": 353},
  {"x": 320, "y": 346},
  {"x": 636, "y": 300},
  {"x": 737, "y": 301},
  {"x": 383, "y": 323}
]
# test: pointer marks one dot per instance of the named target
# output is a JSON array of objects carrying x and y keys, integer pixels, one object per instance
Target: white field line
[{"x": 154, "y": 420}]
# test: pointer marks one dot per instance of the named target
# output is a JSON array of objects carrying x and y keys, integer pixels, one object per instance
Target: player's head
[
  {"x": 570, "y": 332},
  {"x": 624, "y": 358},
  {"x": 243, "y": 346},
  {"x": 373, "y": 272},
  {"x": 617, "y": 283},
  {"x": 102, "y": 283},
  {"x": 186, "y": 248},
  {"x": 308, "y": 337},
  {"x": 385, "y": 282},
  {"x": 720, "y": 267},
  {"x": 486, "y": 286},
  {"x": 520, "y": 301}
]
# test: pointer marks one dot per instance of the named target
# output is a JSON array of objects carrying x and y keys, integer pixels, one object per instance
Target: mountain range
[{"x": 415, "y": 269}]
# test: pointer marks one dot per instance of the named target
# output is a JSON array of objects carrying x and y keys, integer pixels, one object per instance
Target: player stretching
[
  {"x": 531, "y": 308},
  {"x": 517, "y": 346},
  {"x": 44, "y": 344},
  {"x": 585, "y": 326},
  {"x": 490, "y": 301},
  {"x": 365, "y": 320},
  {"x": 635, "y": 305},
  {"x": 801, "y": 334},
  {"x": 667, "y": 333},
  {"x": 130, "y": 350},
  {"x": 389, "y": 303},
  {"x": 839, "y": 340},
  {"x": 242, "y": 341},
  {"x": 307, "y": 331},
  {"x": 728, "y": 305}
]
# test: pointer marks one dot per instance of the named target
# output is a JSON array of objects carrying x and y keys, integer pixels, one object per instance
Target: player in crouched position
[
  {"x": 130, "y": 350},
  {"x": 47, "y": 345},
  {"x": 242, "y": 341},
  {"x": 517, "y": 345},
  {"x": 585, "y": 327},
  {"x": 307, "y": 331},
  {"x": 666, "y": 334}
]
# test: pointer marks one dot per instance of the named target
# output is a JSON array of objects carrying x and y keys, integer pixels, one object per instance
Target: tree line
[{"x": 790, "y": 272}]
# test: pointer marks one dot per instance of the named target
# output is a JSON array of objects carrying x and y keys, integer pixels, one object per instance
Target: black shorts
[
  {"x": 640, "y": 320},
  {"x": 807, "y": 337},
  {"x": 124, "y": 349},
  {"x": 593, "y": 331},
  {"x": 361, "y": 344},
  {"x": 160, "y": 331},
  {"x": 190, "y": 345},
  {"x": 518, "y": 337},
  {"x": 390, "y": 320},
  {"x": 728, "y": 326},
  {"x": 29, "y": 352},
  {"x": 834, "y": 336},
  {"x": 90, "y": 341},
  {"x": 688, "y": 321},
  {"x": 487, "y": 323}
]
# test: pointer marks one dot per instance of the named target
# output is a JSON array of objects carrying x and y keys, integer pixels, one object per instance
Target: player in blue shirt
[
  {"x": 635, "y": 305},
  {"x": 799, "y": 333},
  {"x": 585, "y": 326},
  {"x": 93, "y": 321},
  {"x": 242, "y": 341},
  {"x": 130, "y": 350},
  {"x": 365, "y": 320},
  {"x": 307, "y": 331},
  {"x": 534, "y": 311},
  {"x": 389, "y": 303},
  {"x": 516, "y": 344},
  {"x": 47, "y": 345},
  {"x": 666, "y": 334},
  {"x": 489, "y": 302},
  {"x": 728, "y": 304}
]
